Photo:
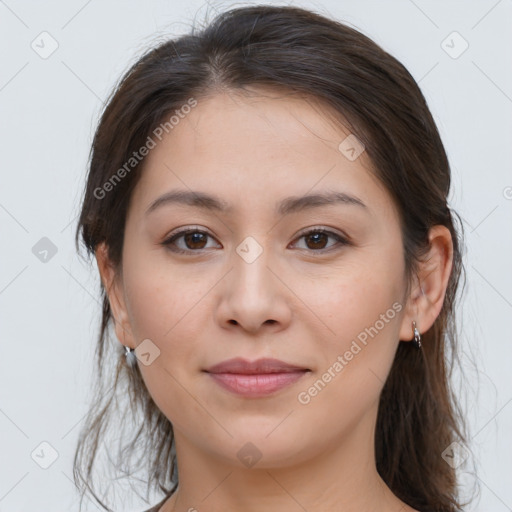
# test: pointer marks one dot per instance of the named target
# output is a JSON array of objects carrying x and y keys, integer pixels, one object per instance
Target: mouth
[{"x": 258, "y": 378}]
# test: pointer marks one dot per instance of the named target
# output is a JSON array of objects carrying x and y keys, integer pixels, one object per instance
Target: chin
[{"x": 256, "y": 446}]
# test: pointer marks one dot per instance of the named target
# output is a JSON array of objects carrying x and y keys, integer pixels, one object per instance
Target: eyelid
[
  {"x": 323, "y": 229},
  {"x": 186, "y": 229}
]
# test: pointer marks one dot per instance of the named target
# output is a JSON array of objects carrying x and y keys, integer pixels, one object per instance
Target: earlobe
[
  {"x": 427, "y": 297},
  {"x": 114, "y": 291}
]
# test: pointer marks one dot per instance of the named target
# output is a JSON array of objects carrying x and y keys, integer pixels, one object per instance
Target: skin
[{"x": 296, "y": 302}]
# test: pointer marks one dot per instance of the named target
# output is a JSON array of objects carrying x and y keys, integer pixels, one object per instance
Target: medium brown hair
[{"x": 303, "y": 52}]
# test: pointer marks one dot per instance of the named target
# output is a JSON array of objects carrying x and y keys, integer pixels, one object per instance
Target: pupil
[
  {"x": 193, "y": 238},
  {"x": 316, "y": 239}
]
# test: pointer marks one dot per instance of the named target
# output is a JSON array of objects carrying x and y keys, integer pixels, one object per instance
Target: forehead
[{"x": 254, "y": 146}]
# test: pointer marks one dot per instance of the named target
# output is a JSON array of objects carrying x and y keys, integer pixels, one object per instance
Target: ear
[
  {"x": 114, "y": 288},
  {"x": 427, "y": 296}
]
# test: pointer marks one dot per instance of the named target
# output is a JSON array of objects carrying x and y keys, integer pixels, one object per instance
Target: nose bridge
[
  {"x": 250, "y": 261},
  {"x": 252, "y": 295}
]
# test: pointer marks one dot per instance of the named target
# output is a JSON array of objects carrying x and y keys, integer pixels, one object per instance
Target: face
[{"x": 261, "y": 273}]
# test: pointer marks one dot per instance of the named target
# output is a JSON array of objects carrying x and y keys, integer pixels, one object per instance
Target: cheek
[
  {"x": 355, "y": 299},
  {"x": 167, "y": 307},
  {"x": 161, "y": 299},
  {"x": 363, "y": 310},
  {"x": 364, "y": 314},
  {"x": 165, "y": 314}
]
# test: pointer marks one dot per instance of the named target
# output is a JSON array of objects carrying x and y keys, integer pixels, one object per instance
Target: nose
[{"x": 254, "y": 296}]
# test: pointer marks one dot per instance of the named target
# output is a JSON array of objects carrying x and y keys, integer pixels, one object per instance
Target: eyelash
[{"x": 169, "y": 241}]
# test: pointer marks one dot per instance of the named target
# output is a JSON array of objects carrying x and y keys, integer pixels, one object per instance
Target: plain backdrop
[{"x": 49, "y": 107}]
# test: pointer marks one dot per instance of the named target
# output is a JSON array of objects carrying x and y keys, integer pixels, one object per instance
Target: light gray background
[{"x": 48, "y": 110}]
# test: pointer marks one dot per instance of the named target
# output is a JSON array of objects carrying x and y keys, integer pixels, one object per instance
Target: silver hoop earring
[
  {"x": 131, "y": 358},
  {"x": 417, "y": 335}
]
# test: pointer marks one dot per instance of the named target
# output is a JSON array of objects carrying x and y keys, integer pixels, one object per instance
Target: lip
[
  {"x": 259, "y": 366},
  {"x": 255, "y": 378}
]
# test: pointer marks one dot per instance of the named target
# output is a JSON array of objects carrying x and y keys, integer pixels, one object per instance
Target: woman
[{"x": 267, "y": 206}]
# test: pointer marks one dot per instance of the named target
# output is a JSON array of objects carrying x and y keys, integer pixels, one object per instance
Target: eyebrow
[{"x": 287, "y": 206}]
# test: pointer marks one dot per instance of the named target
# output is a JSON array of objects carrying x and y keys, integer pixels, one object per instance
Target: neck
[{"x": 342, "y": 477}]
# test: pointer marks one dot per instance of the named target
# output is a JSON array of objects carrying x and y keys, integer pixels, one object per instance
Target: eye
[
  {"x": 192, "y": 240},
  {"x": 195, "y": 240},
  {"x": 317, "y": 239}
]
